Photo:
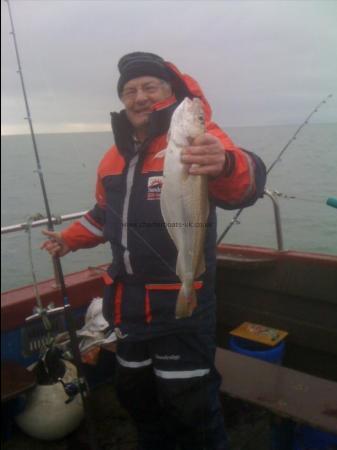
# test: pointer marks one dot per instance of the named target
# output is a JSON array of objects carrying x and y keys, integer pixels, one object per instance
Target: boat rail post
[{"x": 277, "y": 216}]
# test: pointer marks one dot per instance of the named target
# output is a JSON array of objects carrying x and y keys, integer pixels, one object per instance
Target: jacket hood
[{"x": 186, "y": 86}]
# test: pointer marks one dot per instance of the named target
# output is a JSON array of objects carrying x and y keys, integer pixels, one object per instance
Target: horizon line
[{"x": 98, "y": 130}]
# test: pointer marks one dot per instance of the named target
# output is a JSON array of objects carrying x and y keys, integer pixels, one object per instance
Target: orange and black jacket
[{"x": 142, "y": 284}]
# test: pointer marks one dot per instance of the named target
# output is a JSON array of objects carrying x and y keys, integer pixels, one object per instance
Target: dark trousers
[{"x": 170, "y": 387}]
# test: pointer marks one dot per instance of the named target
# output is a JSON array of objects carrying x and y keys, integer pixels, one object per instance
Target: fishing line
[
  {"x": 40, "y": 310},
  {"x": 83, "y": 387},
  {"x": 149, "y": 246},
  {"x": 295, "y": 197},
  {"x": 277, "y": 159}
]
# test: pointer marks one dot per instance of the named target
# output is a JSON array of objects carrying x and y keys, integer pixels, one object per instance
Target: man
[{"x": 165, "y": 366}]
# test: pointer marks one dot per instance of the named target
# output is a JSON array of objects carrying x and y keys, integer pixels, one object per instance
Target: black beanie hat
[{"x": 139, "y": 64}]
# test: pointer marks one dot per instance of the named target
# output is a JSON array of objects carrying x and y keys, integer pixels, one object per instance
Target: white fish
[{"x": 184, "y": 202}]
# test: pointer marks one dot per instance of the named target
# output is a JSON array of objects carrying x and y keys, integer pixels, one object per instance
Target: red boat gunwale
[
  {"x": 83, "y": 286},
  {"x": 263, "y": 253}
]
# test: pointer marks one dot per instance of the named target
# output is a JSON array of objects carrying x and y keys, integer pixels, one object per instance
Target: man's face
[{"x": 139, "y": 95}]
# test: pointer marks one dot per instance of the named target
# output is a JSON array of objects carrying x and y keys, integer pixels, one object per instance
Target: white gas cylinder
[{"x": 46, "y": 415}]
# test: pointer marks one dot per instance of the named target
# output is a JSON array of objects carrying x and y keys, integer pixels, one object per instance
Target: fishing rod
[
  {"x": 277, "y": 159},
  {"x": 82, "y": 385}
]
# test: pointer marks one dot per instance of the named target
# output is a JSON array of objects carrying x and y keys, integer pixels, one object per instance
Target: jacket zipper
[{"x": 129, "y": 184}]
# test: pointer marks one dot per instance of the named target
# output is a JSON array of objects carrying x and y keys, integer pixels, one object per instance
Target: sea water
[{"x": 307, "y": 173}]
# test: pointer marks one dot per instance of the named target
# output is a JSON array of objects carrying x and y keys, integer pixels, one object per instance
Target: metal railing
[
  {"x": 26, "y": 226},
  {"x": 60, "y": 219},
  {"x": 41, "y": 222}
]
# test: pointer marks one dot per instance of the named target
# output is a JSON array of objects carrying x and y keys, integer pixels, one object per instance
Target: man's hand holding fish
[{"x": 205, "y": 156}]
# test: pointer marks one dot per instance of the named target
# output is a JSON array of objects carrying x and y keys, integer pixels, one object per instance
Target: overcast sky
[{"x": 259, "y": 62}]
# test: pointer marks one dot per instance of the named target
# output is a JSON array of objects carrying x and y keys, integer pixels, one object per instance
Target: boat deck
[{"x": 248, "y": 427}]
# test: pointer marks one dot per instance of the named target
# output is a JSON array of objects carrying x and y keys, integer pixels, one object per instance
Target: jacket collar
[{"x": 122, "y": 129}]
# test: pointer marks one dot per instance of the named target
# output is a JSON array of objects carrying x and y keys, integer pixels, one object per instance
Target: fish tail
[{"x": 186, "y": 302}]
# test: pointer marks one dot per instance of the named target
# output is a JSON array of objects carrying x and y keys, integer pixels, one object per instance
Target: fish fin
[
  {"x": 160, "y": 154},
  {"x": 186, "y": 305}
]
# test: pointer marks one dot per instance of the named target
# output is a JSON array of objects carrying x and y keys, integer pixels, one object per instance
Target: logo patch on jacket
[{"x": 154, "y": 185}]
